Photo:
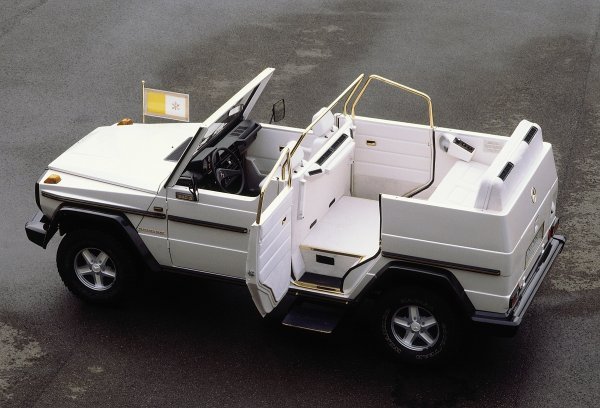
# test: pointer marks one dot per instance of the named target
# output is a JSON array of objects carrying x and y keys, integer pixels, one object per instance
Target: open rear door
[{"x": 269, "y": 264}]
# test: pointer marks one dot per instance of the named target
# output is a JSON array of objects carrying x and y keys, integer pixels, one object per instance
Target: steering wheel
[{"x": 227, "y": 168}]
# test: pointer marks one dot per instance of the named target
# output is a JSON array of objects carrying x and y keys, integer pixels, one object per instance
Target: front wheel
[
  {"x": 95, "y": 266},
  {"x": 418, "y": 326}
]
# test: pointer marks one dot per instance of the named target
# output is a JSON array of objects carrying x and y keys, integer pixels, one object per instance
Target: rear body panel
[{"x": 489, "y": 251}]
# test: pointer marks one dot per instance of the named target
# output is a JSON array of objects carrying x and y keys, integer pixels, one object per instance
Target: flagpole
[{"x": 143, "y": 92}]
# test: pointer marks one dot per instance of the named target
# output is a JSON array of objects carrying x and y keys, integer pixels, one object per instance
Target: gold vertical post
[{"x": 143, "y": 93}]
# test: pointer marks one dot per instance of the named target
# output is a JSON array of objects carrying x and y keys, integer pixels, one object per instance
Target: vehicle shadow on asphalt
[{"x": 208, "y": 318}]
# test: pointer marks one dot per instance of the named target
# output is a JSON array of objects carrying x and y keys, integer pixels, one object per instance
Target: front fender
[{"x": 68, "y": 218}]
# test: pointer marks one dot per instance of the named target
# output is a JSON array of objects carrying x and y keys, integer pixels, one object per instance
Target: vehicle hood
[{"x": 135, "y": 156}]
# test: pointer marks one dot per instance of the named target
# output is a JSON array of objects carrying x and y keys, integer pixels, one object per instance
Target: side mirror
[
  {"x": 278, "y": 111},
  {"x": 193, "y": 188}
]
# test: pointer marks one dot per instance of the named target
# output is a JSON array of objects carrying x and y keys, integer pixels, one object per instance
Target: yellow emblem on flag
[{"x": 165, "y": 104}]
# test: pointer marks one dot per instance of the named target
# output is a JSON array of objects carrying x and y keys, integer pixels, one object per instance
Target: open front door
[{"x": 269, "y": 264}]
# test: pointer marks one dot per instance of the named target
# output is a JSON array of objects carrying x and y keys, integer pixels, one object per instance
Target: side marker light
[
  {"x": 52, "y": 179},
  {"x": 125, "y": 121}
]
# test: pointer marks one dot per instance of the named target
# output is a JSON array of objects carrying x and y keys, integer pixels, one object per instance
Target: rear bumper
[
  {"x": 508, "y": 323},
  {"x": 38, "y": 230}
]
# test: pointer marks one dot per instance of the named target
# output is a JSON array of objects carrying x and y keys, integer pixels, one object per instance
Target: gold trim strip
[
  {"x": 331, "y": 252},
  {"x": 313, "y": 286},
  {"x": 306, "y": 328}
]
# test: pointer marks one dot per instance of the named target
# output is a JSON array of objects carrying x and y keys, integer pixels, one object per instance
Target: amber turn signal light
[
  {"x": 52, "y": 179},
  {"x": 125, "y": 121}
]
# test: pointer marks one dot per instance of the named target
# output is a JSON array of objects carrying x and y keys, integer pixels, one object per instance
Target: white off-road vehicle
[{"x": 440, "y": 226}]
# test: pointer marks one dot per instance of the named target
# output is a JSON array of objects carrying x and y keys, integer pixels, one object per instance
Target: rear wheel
[
  {"x": 418, "y": 326},
  {"x": 95, "y": 266}
]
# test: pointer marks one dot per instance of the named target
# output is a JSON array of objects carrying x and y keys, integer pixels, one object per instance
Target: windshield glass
[{"x": 226, "y": 122}]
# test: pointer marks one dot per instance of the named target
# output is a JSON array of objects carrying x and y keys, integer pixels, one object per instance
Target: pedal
[{"x": 315, "y": 317}]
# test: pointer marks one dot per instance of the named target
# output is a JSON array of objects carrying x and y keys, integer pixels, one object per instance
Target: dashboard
[{"x": 220, "y": 164}]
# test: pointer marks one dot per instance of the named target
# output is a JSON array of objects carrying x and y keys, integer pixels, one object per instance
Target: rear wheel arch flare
[{"x": 442, "y": 281}]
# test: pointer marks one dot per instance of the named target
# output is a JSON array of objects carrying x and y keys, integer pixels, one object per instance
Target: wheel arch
[
  {"x": 71, "y": 218},
  {"x": 398, "y": 274}
]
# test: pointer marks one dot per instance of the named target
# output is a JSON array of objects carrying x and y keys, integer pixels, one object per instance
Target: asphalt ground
[{"x": 67, "y": 67}]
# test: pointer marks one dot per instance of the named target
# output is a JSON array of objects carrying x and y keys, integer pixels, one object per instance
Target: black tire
[
  {"x": 96, "y": 287},
  {"x": 430, "y": 342}
]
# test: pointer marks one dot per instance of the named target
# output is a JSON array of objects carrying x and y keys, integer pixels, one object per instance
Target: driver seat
[{"x": 296, "y": 160}]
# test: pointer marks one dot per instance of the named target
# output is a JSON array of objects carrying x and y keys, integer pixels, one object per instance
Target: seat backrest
[
  {"x": 324, "y": 126},
  {"x": 510, "y": 167}
]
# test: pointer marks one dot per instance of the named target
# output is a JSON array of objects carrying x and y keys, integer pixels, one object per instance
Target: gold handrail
[
  {"x": 354, "y": 85},
  {"x": 397, "y": 85},
  {"x": 285, "y": 154}
]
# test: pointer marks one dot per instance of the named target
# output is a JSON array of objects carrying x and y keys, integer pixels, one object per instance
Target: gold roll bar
[
  {"x": 285, "y": 154},
  {"x": 397, "y": 85}
]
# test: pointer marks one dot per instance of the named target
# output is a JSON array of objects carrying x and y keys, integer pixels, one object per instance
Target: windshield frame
[{"x": 212, "y": 128}]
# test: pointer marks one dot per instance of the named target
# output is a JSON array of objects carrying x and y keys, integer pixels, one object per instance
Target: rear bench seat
[{"x": 475, "y": 185}]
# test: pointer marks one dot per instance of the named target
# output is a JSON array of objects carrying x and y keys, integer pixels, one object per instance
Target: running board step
[
  {"x": 314, "y": 316},
  {"x": 322, "y": 282}
]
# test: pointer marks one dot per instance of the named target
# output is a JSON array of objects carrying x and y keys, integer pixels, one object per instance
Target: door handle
[{"x": 371, "y": 143}]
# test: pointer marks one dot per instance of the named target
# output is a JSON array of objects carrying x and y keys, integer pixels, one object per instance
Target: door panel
[
  {"x": 390, "y": 157},
  {"x": 207, "y": 237},
  {"x": 269, "y": 265}
]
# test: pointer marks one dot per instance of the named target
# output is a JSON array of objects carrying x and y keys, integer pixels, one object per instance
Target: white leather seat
[
  {"x": 475, "y": 185},
  {"x": 460, "y": 185},
  {"x": 324, "y": 126},
  {"x": 494, "y": 193},
  {"x": 296, "y": 160},
  {"x": 321, "y": 131}
]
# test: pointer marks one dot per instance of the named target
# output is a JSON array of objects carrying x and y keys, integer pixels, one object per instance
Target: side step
[
  {"x": 321, "y": 282},
  {"x": 314, "y": 316}
]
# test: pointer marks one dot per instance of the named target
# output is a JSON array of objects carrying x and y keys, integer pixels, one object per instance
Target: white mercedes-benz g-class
[{"x": 441, "y": 227}]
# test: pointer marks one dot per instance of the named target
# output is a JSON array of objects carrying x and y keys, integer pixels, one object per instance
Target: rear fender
[{"x": 398, "y": 274}]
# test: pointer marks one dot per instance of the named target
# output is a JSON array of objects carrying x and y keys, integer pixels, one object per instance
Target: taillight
[
  {"x": 553, "y": 228},
  {"x": 514, "y": 298},
  {"x": 37, "y": 195}
]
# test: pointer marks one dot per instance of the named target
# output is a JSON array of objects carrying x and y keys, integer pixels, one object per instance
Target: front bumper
[
  {"x": 38, "y": 230},
  {"x": 511, "y": 321}
]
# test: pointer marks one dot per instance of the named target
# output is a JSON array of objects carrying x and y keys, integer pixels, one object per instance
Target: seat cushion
[{"x": 459, "y": 187}]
